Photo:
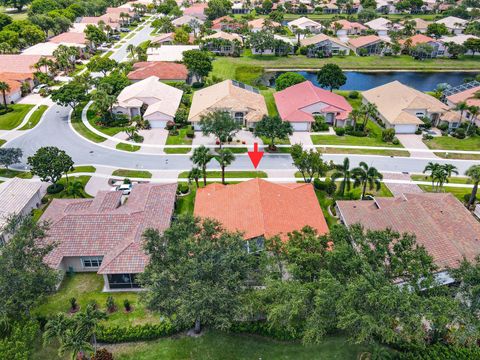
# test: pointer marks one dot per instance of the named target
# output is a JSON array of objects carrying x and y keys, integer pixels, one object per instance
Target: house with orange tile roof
[
  {"x": 164, "y": 71},
  {"x": 300, "y": 103},
  {"x": 346, "y": 28},
  {"x": 260, "y": 24},
  {"x": 470, "y": 95},
  {"x": 104, "y": 235},
  {"x": 225, "y": 23},
  {"x": 367, "y": 45},
  {"x": 197, "y": 10},
  {"x": 19, "y": 83},
  {"x": 438, "y": 48},
  {"x": 69, "y": 37},
  {"x": 261, "y": 209},
  {"x": 440, "y": 223}
]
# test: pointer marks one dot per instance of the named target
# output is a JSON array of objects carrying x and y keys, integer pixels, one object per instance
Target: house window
[
  {"x": 419, "y": 114},
  {"x": 255, "y": 245},
  {"x": 227, "y": 48},
  {"x": 122, "y": 281},
  {"x": 91, "y": 262},
  {"x": 239, "y": 117}
]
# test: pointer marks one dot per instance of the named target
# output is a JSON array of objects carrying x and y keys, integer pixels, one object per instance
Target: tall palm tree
[
  {"x": 343, "y": 171},
  {"x": 364, "y": 175},
  {"x": 369, "y": 110},
  {"x": 55, "y": 327},
  {"x": 88, "y": 322},
  {"x": 474, "y": 111},
  {"x": 450, "y": 169},
  {"x": 4, "y": 88},
  {"x": 201, "y": 157},
  {"x": 439, "y": 177},
  {"x": 131, "y": 50},
  {"x": 431, "y": 168},
  {"x": 473, "y": 172},
  {"x": 75, "y": 189},
  {"x": 226, "y": 158},
  {"x": 462, "y": 107},
  {"x": 194, "y": 174},
  {"x": 355, "y": 115}
]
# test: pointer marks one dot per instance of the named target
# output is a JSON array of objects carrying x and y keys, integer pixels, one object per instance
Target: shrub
[
  {"x": 353, "y": 94},
  {"x": 127, "y": 181},
  {"x": 3, "y": 111},
  {"x": 197, "y": 85},
  {"x": 190, "y": 134},
  {"x": 317, "y": 184},
  {"x": 440, "y": 351},
  {"x": 443, "y": 127},
  {"x": 102, "y": 354},
  {"x": 137, "y": 138},
  {"x": 460, "y": 133},
  {"x": 418, "y": 132},
  {"x": 303, "y": 50},
  {"x": 330, "y": 186},
  {"x": 73, "y": 304},
  {"x": 118, "y": 334},
  {"x": 388, "y": 135},
  {"x": 319, "y": 124},
  {"x": 181, "y": 116},
  {"x": 183, "y": 188},
  {"x": 55, "y": 188},
  {"x": 427, "y": 123},
  {"x": 395, "y": 141},
  {"x": 126, "y": 305},
  {"x": 339, "y": 131},
  {"x": 170, "y": 125},
  {"x": 466, "y": 198},
  {"x": 111, "y": 307},
  {"x": 427, "y": 137}
]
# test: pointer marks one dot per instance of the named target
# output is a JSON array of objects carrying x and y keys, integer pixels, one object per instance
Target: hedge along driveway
[{"x": 14, "y": 118}]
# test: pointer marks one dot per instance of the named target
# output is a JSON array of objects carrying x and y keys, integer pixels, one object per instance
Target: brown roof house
[
  {"x": 402, "y": 107},
  {"x": 322, "y": 45},
  {"x": 101, "y": 235},
  {"x": 441, "y": 224},
  {"x": 244, "y": 102},
  {"x": 164, "y": 71},
  {"x": 261, "y": 209},
  {"x": 367, "y": 45}
]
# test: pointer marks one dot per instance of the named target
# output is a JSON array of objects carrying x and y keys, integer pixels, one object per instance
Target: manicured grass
[
  {"x": 458, "y": 156},
  {"x": 270, "y": 101},
  {"x": 9, "y": 173},
  {"x": 93, "y": 119},
  {"x": 79, "y": 127},
  {"x": 185, "y": 204},
  {"x": 459, "y": 193},
  {"x": 215, "y": 345},
  {"x": 2, "y": 142},
  {"x": 127, "y": 147},
  {"x": 14, "y": 118},
  {"x": 235, "y": 150},
  {"x": 177, "y": 150},
  {"x": 266, "y": 141},
  {"x": 63, "y": 195},
  {"x": 248, "y": 74},
  {"x": 86, "y": 287},
  {"x": 132, "y": 173},
  {"x": 374, "y": 138},
  {"x": 108, "y": 54},
  {"x": 355, "y": 103},
  {"x": 180, "y": 139},
  {"x": 35, "y": 118},
  {"x": 83, "y": 169},
  {"x": 14, "y": 14},
  {"x": 326, "y": 201},
  {"x": 364, "y": 151},
  {"x": 451, "y": 143},
  {"x": 224, "y": 65},
  {"x": 452, "y": 180},
  {"x": 229, "y": 174}
]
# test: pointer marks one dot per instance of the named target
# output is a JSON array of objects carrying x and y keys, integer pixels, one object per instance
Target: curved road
[{"x": 54, "y": 130}]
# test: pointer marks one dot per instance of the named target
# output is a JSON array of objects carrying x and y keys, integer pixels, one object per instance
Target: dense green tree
[
  {"x": 201, "y": 157},
  {"x": 437, "y": 30},
  {"x": 472, "y": 44},
  {"x": 4, "y": 20},
  {"x": 66, "y": 58},
  {"x": 163, "y": 24},
  {"x": 10, "y": 156},
  {"x": 17, "y": 4},
  {"x": 220, "y": 124},
  {"x": 331, "y": 76},
  {"x": 308, "y": 162},
  {"x": 198, "y": 63},
  {"x": 16, "y": 342},
  {"x": 366, "y": 15},
  {"x": 473, "y": 172},
  {"x": 71, "y": 94},
  {"x": 198, "y": 272},
  {"x": 95, "y": 35},
  {"x": 273, "y": 128},
  {"x": 261, "y": 41},
  {"x": 288, "y": 79},
  {"x": 4, "y": 89},
  {"x": 101, "y": 64},
  {"x": 218, "y": 8},
  {"x": 50, "y": 164}
]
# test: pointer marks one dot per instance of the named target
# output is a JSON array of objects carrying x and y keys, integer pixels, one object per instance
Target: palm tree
[
  {"x": 369, "y": 110},
  {"x": 355, "y": 115},
  {"x": 131, "y": 50},
  {"x": 55, "y": 327},
  {"x": 432, "y": 167},
  {"x": 74, "y": 342},
  {"x": 473, "y": 173},
  {"x": 201, "y": 157},
  {"x": 439, "y": 177},
  {"x": 462, "y": 107},
  {"x": 88, "y": 322},
  {"x": 474, "y": 111},
  {"x": 194, "y": 174},
  {"x": 450, "y": 169},
  {"x": 364, "y": 175},
  {"x": 4, "y": 88},
  {"x": 343, "y": 171},
  {"x": 226, "y": 158},
  {"x": 75, "y": 189}
]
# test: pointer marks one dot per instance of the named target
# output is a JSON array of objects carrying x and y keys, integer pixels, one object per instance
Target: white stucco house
[{"x": 150, "y": 98}]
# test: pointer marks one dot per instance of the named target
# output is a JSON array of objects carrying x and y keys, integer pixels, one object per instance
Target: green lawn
[
  {"x": 14, "y": 14},
  {"x": 270, "y": 101},
  {"x": 452, "y": 180},
  {"x": 326, "y": 201},
  {"x": 460, "y": 156},
  {"x": 132, "y": 173},
  {"x": 127, "y": 147},
  {"x": 180, "y": 139},
  {"x": 9, "y": 173},
  {"x": 397, "y": 153},
  {"x": 14, "y": 118},
  {"x": 459, "y": 193},
  {"x": 235, "y": 150},
  {"x": 355, "y": 103},
  {"x": 83, "y": 169},
  {"x": 86, "y": 287},
  {"x": 229, "y": 174},
  {"x": 266, "y": 141},
  {"x": 218, "y": 345},
  {"x": 177, "y": 150},
  {"x": 185, "y": 204},
  {"x": 451, "y": 143},
  {"x": 2, "y": 142},
  {"x": 35, "y": 118},
  {"x": 79, "y": 127},
  {"x": 93, "y": 119}
]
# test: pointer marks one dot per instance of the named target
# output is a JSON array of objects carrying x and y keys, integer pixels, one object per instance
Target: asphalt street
[
  {"x": 54, "y": 130},
  {"x": 120, "y": 54}
]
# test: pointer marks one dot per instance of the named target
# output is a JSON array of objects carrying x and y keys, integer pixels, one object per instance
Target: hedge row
[
  {"x": 119, "y": 334},
  {"x": 441, "y": 352}
]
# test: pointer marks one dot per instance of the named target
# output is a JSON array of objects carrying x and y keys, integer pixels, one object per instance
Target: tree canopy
[
  {"x": 198, "y": 62},
  {"x": 288, "y": 79},
  {"x": 273, "y": 128},
  {"x": 50, "y": 163},
  {"x": 331, "y": 76},
  {"x": 219, "y": 123}
]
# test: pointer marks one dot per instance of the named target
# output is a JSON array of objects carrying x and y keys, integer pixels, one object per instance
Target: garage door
[
  {"x": 405, "y": 129},
  {"x": 300, "y": 126},
  {"x": 156, "y": 124}
]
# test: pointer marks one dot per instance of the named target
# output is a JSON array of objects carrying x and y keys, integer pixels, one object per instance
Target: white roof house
[
  {"x": 158, "y": 101},
  {"x": 18, "y": 197},
  {"x": 305, "y": 24},
  {"x": 379, "y": 24},
  {"x": 47, "y": 48},
  {"x": 459, "y": 39},
  {"x": 185, "y": 20},
  {"x": 169, "y": 52},
  {"x": 454, "y": 24}
]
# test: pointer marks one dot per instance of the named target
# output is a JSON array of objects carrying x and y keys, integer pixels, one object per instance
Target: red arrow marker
[{"x": 255, "y": 155}]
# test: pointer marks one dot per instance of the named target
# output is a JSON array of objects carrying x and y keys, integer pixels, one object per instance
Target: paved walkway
[
  {"x": 399, "y": 188},
  {"x": 301, "y": 137},
  {"x": 99, "y": 180}
]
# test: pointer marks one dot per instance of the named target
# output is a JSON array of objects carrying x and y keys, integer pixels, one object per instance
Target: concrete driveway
[
  {"x": 301, "y": 137},
  {"x": 414, "y": 142}
]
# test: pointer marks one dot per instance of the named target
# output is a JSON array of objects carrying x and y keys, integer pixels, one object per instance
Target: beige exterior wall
[{"x": 75, "y": 263}]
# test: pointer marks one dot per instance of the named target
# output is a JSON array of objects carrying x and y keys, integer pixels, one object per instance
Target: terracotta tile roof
[
  {"x": 363, "y": 41},
  {"x": 260, "y": 23},
  {"x": 348, "y": 25},
  {"x": 161, "y": 69},
  {"x": 319, "y": 38},
  {"x": 103, "y": 227},
  {"x": 227, "y": 95},
  {"x": 466, "y": 96},
  {"x": 217, "y": 24},
  {"x": 195, "y": 9},
  {"x": 15, "y": 80},
  {"x": 225, "y": 36},
  {"x": 261, "y": 208},
  {"x": 292, "y": 101},
  {"x": 418, "y": 39},
  {"x": 69, "y": 37},
  {"x": 18, "y": 63},
  {"x": 440, "y": 222}
]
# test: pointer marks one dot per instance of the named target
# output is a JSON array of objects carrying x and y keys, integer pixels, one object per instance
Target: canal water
[{"x": 423, "y": 81}]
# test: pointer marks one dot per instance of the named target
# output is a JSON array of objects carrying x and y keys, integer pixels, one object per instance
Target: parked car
[
  {"x": 124, "y": 188},
  {"x": 115, "y": 37},
  {"x": 124, "y": 29},
  {"x": 36, "y": 89}
]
